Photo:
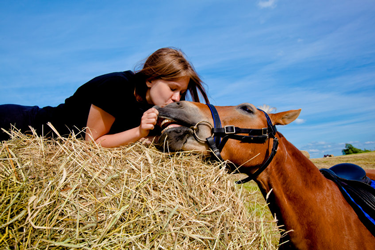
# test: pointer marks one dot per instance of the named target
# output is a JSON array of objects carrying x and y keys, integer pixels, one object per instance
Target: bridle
[{"x": 220, "y": 135}]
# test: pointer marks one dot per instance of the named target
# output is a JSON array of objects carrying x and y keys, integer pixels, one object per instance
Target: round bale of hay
[
  {"x": 305, "y": 153},
  {"x": 68, "y": 193}
]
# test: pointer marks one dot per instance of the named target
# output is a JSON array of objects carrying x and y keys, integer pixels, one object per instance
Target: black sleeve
[{"x": 112, "y": 93}]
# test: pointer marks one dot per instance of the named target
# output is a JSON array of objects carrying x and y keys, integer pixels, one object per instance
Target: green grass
[
  {"x": 258, "y": 208},
  {"x": 365, "y": 160}
]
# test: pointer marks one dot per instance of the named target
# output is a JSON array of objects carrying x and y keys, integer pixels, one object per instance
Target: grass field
[
  {"x": 68, "y": 194},
  {"x": 365, "y": 160}
]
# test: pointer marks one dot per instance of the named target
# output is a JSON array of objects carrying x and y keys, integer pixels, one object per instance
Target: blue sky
[{"x": 314, "y": 55}]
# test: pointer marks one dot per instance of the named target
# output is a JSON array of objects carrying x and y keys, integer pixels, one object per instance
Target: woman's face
[{"x": 162, "y": 92}]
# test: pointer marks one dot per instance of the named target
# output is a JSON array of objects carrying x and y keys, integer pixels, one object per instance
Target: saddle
[{"x": 357, "y": 188}]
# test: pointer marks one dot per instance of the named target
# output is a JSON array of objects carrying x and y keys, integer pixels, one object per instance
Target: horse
[{"x": 307, "y": 205}]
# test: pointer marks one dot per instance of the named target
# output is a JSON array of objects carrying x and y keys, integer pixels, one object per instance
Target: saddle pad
[
  {"x": 366, "y": 214},
  {"x": 360, "y": 195}
]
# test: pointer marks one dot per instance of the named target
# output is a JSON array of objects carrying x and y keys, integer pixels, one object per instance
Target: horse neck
[
  {"x": 291, "y": 177},
  {"x": 290, "y": 166},
  {"x": 303, "y": 201}
]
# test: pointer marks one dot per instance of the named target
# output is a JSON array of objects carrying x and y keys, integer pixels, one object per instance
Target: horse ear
[{"x": 284, "y": 118}]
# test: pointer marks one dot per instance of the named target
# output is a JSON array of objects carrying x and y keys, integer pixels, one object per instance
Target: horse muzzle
[{"x": 182, "y": 128}]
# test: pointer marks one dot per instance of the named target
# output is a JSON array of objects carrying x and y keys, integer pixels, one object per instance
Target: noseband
[{"x": 220, "y": 136}]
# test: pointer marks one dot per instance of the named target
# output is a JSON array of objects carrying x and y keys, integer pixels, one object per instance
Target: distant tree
[{"x": 350, "y": 149}]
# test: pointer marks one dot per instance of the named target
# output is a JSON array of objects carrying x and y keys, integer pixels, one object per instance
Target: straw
[{"x": 69, "y": 193}]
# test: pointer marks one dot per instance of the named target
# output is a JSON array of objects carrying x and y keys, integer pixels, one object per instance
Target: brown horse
[{"x": 309, "y": 206}]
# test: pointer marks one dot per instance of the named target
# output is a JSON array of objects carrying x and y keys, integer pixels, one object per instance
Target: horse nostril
[{"x": 178, "y": 104}]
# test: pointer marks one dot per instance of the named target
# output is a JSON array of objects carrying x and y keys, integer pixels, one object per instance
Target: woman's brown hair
[{"x": 169, "y": 64}]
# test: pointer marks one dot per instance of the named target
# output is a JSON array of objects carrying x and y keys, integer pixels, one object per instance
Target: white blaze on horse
[{"x": 307, "y": 204}]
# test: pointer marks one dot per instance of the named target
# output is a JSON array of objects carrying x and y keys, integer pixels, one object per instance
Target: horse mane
[{"x": 266, "y": 108}]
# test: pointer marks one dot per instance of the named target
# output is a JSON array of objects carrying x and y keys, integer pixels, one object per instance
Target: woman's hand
[{"x": 148, "y": 121}]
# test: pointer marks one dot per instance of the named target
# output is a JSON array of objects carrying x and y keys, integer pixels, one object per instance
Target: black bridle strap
[
  {"x": 217, "y": 123},
  {"x": 215, "y": 150},
  {"x": 227, "y": 130},
  {"x": 264, "y": 166},
  {"x": 248, "y": 139}
]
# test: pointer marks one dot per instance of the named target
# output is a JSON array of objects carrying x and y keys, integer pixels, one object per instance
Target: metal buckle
[
  {"x": 230, "y": 129},
  {"x": 264, "y": 131}
]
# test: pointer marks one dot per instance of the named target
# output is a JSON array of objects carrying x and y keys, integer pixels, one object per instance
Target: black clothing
[
  {"x": 19, "y": 116},
  {"x": 114, "y": 93}
]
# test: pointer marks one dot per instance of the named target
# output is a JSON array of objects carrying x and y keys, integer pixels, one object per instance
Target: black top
[{"x": 114, "y": 93}]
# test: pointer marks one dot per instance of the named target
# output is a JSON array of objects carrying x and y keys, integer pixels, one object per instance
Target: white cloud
[
  {"x": 267, "y": 4},
  {"x": 314, "y": 150},
  {"x": 300, "y": 121}
]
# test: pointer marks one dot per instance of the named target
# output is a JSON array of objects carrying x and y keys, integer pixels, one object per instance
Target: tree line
[{"x": 350, "y": 149}]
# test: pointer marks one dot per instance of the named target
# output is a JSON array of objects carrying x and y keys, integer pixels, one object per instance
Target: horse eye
[{"x": 247, "y": 109}]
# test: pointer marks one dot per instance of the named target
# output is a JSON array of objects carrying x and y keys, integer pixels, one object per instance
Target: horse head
[{"x": 187, "y": 125}]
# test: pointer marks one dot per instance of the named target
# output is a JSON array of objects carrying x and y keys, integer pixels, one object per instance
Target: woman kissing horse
[{"x": 308, "y": 206}]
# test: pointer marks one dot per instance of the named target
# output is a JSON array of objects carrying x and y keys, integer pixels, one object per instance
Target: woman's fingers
[
  {"x": 149, "y": 119},
  {"x": 150, "y": 116}
]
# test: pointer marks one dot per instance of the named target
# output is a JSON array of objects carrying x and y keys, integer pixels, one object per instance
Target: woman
[{"x": 116, "y": 108}]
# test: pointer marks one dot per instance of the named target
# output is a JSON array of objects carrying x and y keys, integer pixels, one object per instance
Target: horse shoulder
[{"x": 370, "y": 173}]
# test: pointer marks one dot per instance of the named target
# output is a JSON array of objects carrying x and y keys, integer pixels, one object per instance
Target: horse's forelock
[{"x": 267, "y": 108}]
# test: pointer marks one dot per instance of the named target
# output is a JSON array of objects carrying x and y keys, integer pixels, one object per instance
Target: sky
[{"x": 315, "y": 55}]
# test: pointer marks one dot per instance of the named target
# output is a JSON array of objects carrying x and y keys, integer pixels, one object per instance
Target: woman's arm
[{"x": 100, "y": 122}]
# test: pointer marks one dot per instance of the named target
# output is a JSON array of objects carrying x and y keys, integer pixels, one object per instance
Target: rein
[{"x": 220, "y": 135}]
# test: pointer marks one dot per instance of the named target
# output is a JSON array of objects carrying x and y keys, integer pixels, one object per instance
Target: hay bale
[
  {"x": 69, "y": 193},
  {"x": 305, "y": 153}
]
